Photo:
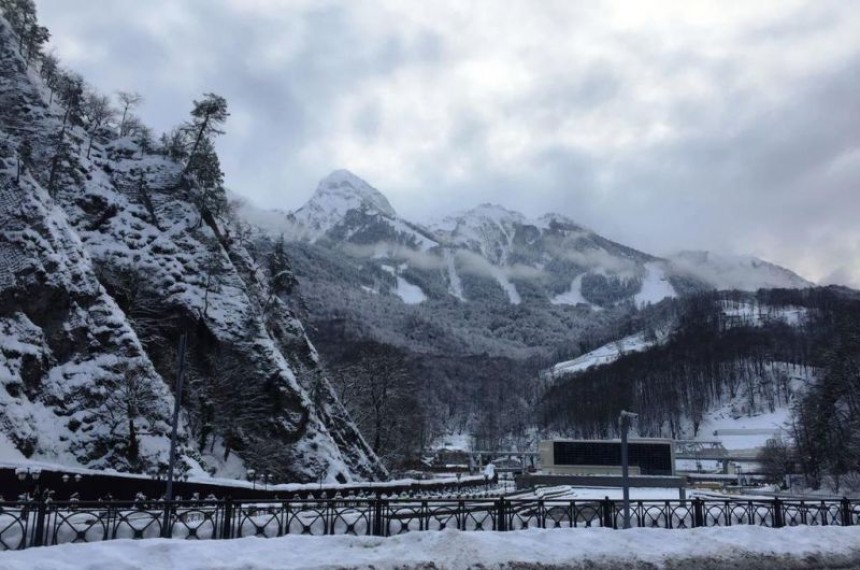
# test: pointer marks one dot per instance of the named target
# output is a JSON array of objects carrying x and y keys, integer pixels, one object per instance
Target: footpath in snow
[{"x": 735, "y": 548}]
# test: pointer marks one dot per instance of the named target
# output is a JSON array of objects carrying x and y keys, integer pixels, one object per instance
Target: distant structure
[{"x": 649, "y": 457}]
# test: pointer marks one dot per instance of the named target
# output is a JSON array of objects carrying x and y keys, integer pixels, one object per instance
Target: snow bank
[{"x": 709, "y": 548}]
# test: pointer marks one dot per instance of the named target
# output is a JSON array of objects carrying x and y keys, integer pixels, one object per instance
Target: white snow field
[
  {"x": 603, "y": 355},
  {"x": 736, "y": 548}
]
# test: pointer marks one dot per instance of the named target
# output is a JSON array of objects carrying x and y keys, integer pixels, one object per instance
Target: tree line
[{"x": 741, "y": 348}]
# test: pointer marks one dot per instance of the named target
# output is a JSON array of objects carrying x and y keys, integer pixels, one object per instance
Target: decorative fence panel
[{"x": 27, "y": 524}]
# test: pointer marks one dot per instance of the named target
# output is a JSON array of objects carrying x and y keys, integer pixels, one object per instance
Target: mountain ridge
[{"x": 347, "y": 210}]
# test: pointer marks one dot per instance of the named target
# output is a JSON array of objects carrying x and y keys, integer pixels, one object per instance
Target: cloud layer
[{"x": 732, "y": 126}]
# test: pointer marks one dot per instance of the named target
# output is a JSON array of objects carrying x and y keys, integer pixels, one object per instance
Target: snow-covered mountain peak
[
  {"x": 342, "y": 191},
  {"x": 483, "y": 215},
  {"x": 338, "y": 194}
]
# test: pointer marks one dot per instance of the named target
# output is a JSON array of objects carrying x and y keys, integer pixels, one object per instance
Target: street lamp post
[
  {"x": 24, "y": 474},
  {"x": 624, "y": 420},
  {"x": 252, "y": 475},
  {"x": 66, "y": 478}
]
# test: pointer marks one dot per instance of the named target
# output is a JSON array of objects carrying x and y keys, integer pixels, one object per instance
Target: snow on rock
[
  {"x": 716, "y": 548},
  {"x": 97, "y": 282},
  {"x": 69, "y": 361}
]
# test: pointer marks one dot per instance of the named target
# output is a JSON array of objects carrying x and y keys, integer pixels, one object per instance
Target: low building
[{"x": 603, "y": 457}]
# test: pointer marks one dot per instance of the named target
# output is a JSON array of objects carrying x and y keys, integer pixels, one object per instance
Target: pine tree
[
  {"x": 207, "y": 116},
  {"x": 281, "y": 277}
]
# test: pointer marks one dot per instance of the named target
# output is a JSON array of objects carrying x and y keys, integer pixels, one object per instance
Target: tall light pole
[{"x": 624, "y": 420}]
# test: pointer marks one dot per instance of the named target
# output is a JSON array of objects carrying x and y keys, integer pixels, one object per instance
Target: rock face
[{"x": 98, "y": 280}]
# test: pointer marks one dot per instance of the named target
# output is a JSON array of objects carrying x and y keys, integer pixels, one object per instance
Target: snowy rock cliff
[{"x": 99, "y": 278}]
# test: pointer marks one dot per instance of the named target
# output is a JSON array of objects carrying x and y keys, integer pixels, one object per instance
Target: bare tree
[
  {"x": 132, "y": 398},
  {"x": 383, "y": 399},
  {"x": 98, "y": 113},
  {"x": 227, "y": 403},
  {"x": 214, "y": 267},
  {"x": 128, "y": 101}
]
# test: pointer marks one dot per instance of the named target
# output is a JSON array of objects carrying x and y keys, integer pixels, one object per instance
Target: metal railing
[{"x": 43, "y": 523}]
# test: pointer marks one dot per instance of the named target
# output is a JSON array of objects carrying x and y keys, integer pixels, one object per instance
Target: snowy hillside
[
  {"x": 603, "y": 355},
  {"x": 718, "y": 366}
]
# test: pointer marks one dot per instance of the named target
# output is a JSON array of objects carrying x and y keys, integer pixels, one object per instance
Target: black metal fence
[
  {"x": 93, "y": 485},
  {"x": 26, "y": 524}
]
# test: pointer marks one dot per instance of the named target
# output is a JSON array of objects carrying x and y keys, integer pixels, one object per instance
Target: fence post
[
  {"x": 227, "y": 526},
  {"x": 165, "y": 523},
  {"x": 608, "y": 510},
  {"x": 698, "y": 512},
  {"x": 778, "y": 519},
  {"x": 39, "y": 533},
  {"x": 377, "y": 516},
  {"x": 503, "y": 523},
  {"x": 541, "y": 514},
  {"x": 847, "y": 518}
]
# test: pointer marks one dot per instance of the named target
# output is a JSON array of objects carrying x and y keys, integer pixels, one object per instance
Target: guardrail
[{"x": 44, "y": 523}]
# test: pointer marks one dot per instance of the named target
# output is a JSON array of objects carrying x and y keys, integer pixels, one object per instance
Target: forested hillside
[{"x": 758, "y": 352}]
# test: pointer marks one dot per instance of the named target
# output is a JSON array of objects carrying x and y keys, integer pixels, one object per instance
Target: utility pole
[{"x": 624, "y": 420}]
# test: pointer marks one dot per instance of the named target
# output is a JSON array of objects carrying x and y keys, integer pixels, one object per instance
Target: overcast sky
[{"x": 725, "y": 125}]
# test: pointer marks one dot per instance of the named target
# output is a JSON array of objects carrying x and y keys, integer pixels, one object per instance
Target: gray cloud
[{"x": 727, "y": 126}]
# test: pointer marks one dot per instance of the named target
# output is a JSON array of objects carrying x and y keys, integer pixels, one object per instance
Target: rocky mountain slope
[{"x": 107, "y": 255}]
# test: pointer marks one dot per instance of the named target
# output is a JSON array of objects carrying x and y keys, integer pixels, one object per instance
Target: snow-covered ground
[
  {"x": 453, "y": 441},
  {"x": 736, "y": 547},
  {"x": 572, "y": 296},
  {"x": 408, "y": 293},
  {"x": 507, "y": 286},
  {"x": 754, "y": 314},
  {"x": 743, "y": 432},
  {"x": 571, "y": 493},
  {"x": 655, "y": 286},
  {"x": 603, "y": 355}
]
